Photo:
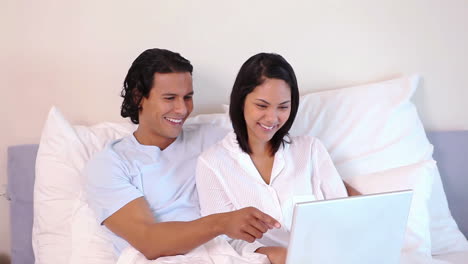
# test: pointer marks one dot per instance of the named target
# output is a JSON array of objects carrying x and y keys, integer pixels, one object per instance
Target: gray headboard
[
  {"x": 21, "y": 171},
  {"x": 451, "y": 154}
]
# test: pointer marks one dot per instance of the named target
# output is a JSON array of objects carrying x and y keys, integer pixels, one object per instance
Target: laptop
[{"x": 364, "y": 229}]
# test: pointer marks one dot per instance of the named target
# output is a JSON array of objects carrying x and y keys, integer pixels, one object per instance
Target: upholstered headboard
[
  {"x": 450, "y": 152},
  {"x": 21, "y": 172}
]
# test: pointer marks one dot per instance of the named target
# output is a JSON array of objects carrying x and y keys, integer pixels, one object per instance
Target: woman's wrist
[
  {"x": 276, "y": 255},
  {"x": 263, "y": 250}
]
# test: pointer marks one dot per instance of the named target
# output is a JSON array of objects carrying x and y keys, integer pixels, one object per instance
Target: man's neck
[{"x": 148, "y": 139}]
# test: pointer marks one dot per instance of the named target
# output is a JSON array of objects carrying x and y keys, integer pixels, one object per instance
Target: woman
[{"x": 258, "y": 164}]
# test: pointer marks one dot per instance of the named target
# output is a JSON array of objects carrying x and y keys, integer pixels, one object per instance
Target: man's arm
[{"x": 135, "y": 223}]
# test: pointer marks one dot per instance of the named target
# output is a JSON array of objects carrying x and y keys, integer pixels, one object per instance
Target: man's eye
[
  {"x": 188, "y": 98},
  {"x": 169, "y": 98}
]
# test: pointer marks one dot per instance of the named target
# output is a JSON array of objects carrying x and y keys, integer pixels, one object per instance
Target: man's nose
[{"x": 180, "y": 107}]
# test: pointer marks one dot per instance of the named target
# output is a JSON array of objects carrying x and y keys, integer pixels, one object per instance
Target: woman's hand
[{"x": 276, "y": 255}]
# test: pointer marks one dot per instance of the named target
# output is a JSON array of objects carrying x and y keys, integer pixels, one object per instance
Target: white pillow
[
  {"x": 419, "y": 178},
  {"x": 65, "y": 229},
  {"x": 366, "y": 128},
  {"x": 58, "y": 210},
  {"x": 375, "y": 127},
  {"x": 445, "y": 235},
  {"x": 220, "y": 120}
]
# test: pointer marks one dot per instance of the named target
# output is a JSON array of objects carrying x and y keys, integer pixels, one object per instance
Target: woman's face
[{"x": 266, "y": 109}]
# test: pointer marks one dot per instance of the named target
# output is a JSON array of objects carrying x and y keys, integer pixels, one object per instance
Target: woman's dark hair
[
  {"x": 252, "y": 74},
  {"x": 140, "y": 77}
]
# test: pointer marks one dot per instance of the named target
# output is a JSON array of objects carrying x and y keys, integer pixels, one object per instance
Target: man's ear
[{"x": 137, "y": 97}]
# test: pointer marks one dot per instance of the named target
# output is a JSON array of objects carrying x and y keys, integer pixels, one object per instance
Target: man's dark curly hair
[{"x": 140, "y": 77}]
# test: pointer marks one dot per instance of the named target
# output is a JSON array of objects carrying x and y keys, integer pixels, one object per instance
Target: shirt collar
[
  {"x": 155, "y": 151},
  {"x": 232, "y": 145}
]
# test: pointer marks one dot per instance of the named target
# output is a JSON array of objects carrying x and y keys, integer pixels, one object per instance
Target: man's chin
[{"x": 174, "y": 134}]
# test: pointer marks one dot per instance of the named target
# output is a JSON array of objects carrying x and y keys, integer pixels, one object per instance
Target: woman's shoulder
[{"x": 301, "y": 141}]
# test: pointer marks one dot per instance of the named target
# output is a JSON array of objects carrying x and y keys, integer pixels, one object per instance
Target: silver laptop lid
[{"x": 364, "y": 229}]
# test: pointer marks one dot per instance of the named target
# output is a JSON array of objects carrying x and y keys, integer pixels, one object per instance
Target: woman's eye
[
  {"x": 262, "y": 106},
  {"x": 283, "y": 107}
]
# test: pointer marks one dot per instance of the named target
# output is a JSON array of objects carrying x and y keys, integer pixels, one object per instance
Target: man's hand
[
  {"x": 276, "y": 255},
  {"x": 247, "y": 224}
]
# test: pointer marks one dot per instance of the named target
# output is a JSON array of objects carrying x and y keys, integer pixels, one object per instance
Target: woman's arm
[
  {"x": 276, "y": 255},
  {"x": 326, "y": 176}
]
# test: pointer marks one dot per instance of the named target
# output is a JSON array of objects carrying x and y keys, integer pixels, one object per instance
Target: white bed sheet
[
  {"x": 217, "y": 251},
  {"x": 454, "y": 258}
]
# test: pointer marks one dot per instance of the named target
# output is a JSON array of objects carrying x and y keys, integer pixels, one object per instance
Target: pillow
[
  {"x": 366, "y": 128},
  {"x": 375, "y": 127},
  {"x": 65, "y": 229},
  {"x": 419, "y": 178},
  {"x": 220, "y": 120},
  {"x": 445, "y": 235},
  {"x": 63, "y": 152}
]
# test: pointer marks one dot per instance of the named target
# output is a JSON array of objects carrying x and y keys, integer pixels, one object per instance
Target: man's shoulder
[{"x": 110, "y": 154}]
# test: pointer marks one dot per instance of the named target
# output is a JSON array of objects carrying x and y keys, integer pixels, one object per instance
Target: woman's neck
[
  {"x": 260, "y": 148},
  {"x": 262, "y": 159}
]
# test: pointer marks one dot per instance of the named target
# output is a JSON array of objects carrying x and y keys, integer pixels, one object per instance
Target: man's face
[{"x": 165, "y": 110}]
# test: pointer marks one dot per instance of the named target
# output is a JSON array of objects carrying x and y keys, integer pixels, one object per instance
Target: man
[{"x": 142, "y": 187}]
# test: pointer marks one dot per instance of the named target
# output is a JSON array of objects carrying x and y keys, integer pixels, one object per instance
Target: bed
[
  {"x": 450, "y": 148},
  {"x": 450, "y": 153}
]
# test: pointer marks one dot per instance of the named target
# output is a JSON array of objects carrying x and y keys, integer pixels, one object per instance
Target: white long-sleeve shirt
[{"x": 228, "y": 180}]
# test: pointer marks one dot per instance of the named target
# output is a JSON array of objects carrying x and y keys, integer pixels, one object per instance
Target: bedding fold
[{"x": 216, "y": 251}]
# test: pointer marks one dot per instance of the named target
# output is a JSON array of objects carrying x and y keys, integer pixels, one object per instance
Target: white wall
[{"x": 75, "y": 54}]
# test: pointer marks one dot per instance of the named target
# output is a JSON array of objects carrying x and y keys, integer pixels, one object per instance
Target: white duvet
[
  {"x": 218, "y": 251},
  {"x": 417, "y": 258}
]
